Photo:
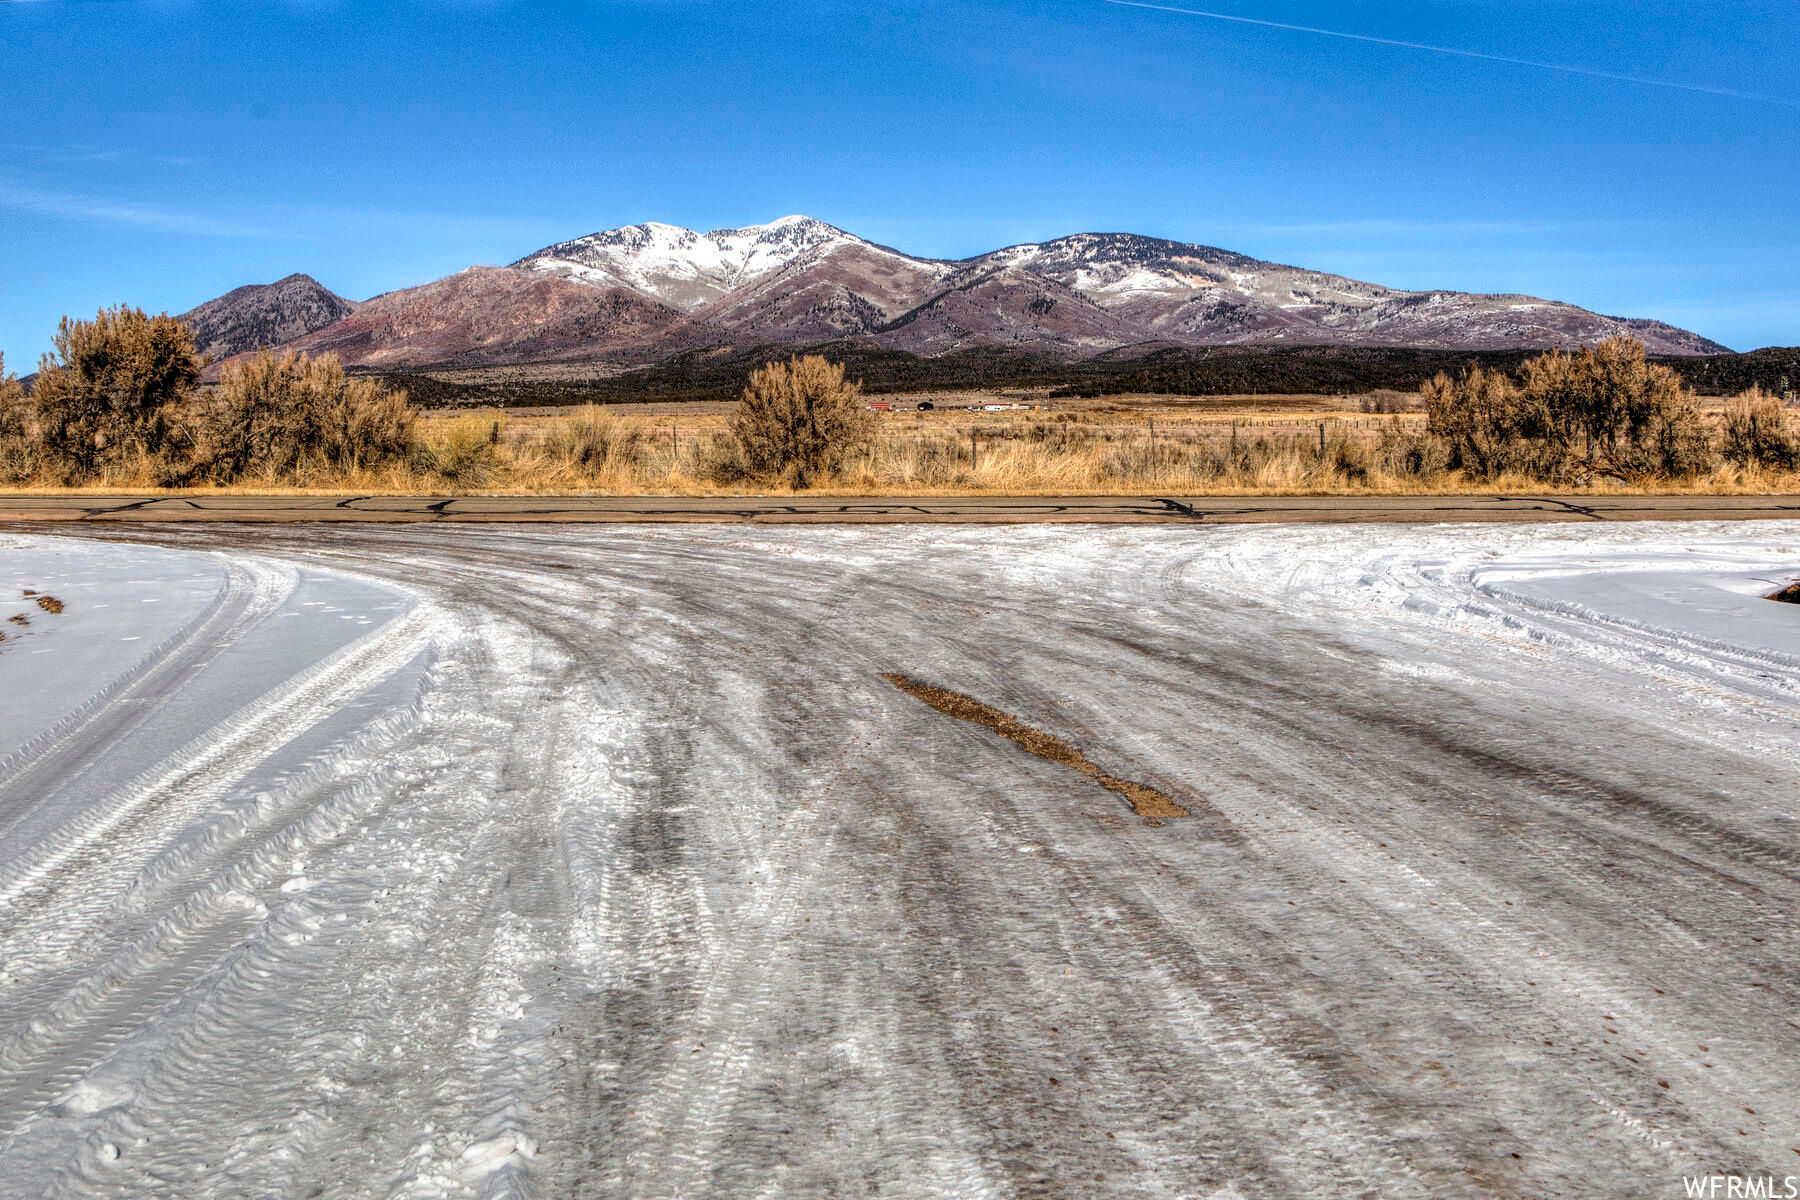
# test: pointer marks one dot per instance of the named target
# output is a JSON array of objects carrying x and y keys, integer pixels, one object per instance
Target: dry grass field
[
  {"x": 1018, "y": 442},
  {"x": 1012, "y": 442},
  {"x": 124, "y": 409}
]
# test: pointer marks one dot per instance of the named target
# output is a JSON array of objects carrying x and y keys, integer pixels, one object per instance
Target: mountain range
[{"x": 642, "y": 294}]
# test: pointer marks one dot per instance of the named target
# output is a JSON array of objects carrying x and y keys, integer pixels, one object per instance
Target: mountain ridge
[
  {"x": 490, "y": 316},
  {"x": 264, "y": 314},
  {"x": 799, "y": 282}
]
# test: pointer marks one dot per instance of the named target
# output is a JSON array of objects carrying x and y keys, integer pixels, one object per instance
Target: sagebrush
[
  {"x": 110, "y": 394},
  {"x": 120, "y": 403},
  {"x": 1759, "y": 431},
  {"x": 294, "y": 418},
  {"x": 799, "y": 418},
  {"x": 1603, "y": 410}
]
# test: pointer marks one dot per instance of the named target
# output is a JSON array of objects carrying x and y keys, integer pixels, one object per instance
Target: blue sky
[{"x": 159, "y": 153}]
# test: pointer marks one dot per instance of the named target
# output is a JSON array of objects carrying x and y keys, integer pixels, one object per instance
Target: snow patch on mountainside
[{"x": 680, "y": 267}]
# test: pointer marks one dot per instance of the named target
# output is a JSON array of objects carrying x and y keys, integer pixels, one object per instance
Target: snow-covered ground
[{"x": 597, "y": 860}]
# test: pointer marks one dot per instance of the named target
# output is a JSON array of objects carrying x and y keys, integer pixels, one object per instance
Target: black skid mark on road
[{"x": 1569, "y": 506}]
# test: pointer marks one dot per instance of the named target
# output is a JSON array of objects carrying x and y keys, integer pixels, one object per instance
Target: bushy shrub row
[
  {"x": 1603, "y": 411},
  {"x": 120, "y": 402},
  {"x": 120, "y": 399}
]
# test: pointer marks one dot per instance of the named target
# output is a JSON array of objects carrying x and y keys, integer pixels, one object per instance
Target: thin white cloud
[
  {"x": 287, "y": 222},
  {"x": 1734, "y": 93},
  {"x": 79, "y": 153},
  {"x": 92, "y": 210}
]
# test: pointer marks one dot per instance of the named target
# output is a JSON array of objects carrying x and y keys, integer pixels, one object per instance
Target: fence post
[
  {"x": 1321, "y": 439},
  {"x": 974, "y": 453}
]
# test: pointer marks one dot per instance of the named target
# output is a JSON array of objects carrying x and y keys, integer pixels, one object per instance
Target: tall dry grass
[
  {"x": 600, "y": 451},
  {"x": 596, "y": 451},
  {"x": 119, "y": 406}
]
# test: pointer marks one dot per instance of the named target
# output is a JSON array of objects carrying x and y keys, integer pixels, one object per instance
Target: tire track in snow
[
  {"x": 661, "y": 798},
  {"x": 190, "y": 781},
  {"x": 251, "y": 591},
  {"x": 211, "y": 903}
]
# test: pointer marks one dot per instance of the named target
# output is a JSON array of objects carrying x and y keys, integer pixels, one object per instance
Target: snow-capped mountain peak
[{"x": 681, "y": 267}]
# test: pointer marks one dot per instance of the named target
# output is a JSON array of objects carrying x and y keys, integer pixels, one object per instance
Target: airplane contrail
[{"x": 1517, "y": 62}]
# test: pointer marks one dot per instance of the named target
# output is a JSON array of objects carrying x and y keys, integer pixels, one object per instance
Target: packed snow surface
[
  {"x": 135, "y": 603},
  {"x": 601, "y": 861}
]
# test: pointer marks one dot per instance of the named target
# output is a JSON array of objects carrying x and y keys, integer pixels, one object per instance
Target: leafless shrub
[
  {"x": 721, "y": 458},
  {"x": 798, "y": 419},
  {"x": 19, "y": 453},
  {"x": 463, "y": 453},
  {"x": 289, "y": 417},
  {"x": 1759, "y": 431},
  {"x": 1673, "y": 443},
  {"x": 107, "y": 395},
  {"x": 1605, "y": 409},
  {"x": 1615, "y": 410},
  {"x": 1388, "y": 402},
  {"x": 1481, "y": 417}
]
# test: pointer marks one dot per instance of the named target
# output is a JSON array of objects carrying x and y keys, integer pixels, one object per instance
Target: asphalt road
[
  {"x": 999, "y": 510},
  {"x": 613, "y": 863}
]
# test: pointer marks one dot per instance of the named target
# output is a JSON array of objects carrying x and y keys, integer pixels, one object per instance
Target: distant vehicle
[
  {"x": 880, "y": 406},
  {"x": 926, "y": 406}
]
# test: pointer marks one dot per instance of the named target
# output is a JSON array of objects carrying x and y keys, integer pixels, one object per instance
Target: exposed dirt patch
[
  {"x": 50, "y": 604},
  {"x": 1146, "y": 801},
  {"x": 1789, "y": 594}
]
